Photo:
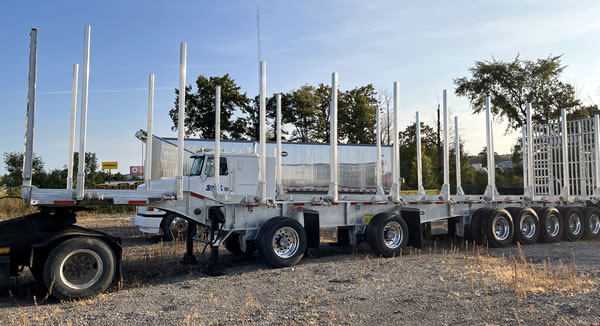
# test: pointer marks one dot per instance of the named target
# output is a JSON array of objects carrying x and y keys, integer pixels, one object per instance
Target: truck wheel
[
  {"x": 591, "y": 222},
  {"x": 281, "y": 242},
  {"x": 498, "y": 228},
  {"x": 474, "y": 233},
  {"x": 387, "y": 234},
  {"x": 550, "y": 224},
  {"x": 173, "y": 227},
  {"x": 526, "y": 225},
  {"x": 573, "y": 223},
  {"x": 232, "y": 244},
  {"x": 79, "y": 268}
]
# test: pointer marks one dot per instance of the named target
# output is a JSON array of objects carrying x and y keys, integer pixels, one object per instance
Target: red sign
[{"x": 136, "y": 170}]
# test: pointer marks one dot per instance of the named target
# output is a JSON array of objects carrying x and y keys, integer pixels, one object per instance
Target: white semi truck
[{"x": 238, "y": 199}]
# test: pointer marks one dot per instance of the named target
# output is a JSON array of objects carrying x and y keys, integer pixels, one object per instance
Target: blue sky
[{"x": 422, "y": 44}]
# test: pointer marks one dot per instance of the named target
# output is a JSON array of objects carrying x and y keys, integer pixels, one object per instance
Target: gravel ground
[{"x": 549, "y": 284}]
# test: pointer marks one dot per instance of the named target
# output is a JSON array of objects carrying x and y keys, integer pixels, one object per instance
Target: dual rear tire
[
  {"x": 492, "y": 226},
  {"x": 281, "y": 242},
  {"x": 387, "y": 234}
]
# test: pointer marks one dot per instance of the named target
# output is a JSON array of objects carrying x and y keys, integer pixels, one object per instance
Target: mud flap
[
  {"x": 312, "y": 228},
  {"x": 415, "y": 228},
  {"x": 4, "y": 271}
]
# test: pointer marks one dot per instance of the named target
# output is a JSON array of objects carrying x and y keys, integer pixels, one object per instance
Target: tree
[
  {"x": 408, "y": 156},
  {"x": 356, "y": 116},
  {"x": 200, "y": 108},
  {"x": 13, "y": 163},
  {"x": 302, "y": 111},
  {"x": 513, "y": 84},
  {"x": 323, "y": 95},
  {"x": 384, "y": 100}
]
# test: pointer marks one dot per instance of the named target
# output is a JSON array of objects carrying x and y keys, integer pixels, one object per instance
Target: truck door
[{"x": 209, "y": 174}]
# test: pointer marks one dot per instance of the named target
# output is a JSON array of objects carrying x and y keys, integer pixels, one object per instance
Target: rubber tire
[
  {"x": 587, "y": 213},
  {"x": 543, "y": 214},
  {"x": 474, "y": 232},
  {"x": 488, "y": 232},
  {"x": 265, "y": 238},
  {"x": 566, "y": 212},
  {"x": 375, "y": 234},
  {"x": 164, "y": 227},
  {"x": 232, "y": 244},
  {"x": 53, "y": 281},
  {"x": 518, "y": 213}
]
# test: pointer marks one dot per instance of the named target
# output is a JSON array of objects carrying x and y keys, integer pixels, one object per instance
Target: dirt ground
[{"x": 442, "y": 284}]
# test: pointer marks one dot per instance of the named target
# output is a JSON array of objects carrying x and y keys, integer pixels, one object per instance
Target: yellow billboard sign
[{"x": 110, "y": 165}]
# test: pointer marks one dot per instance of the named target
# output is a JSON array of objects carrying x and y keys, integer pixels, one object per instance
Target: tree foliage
[
  {"x": 200, "y": 108},
  {"x": 511, "y": 85}
]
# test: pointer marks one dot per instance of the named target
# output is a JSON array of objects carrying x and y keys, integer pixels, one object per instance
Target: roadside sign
[
  {"x": 110, "y": 165},
  {"x": 136, "y": 170}
]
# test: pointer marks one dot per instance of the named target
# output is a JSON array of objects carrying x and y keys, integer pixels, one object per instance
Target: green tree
[
  {"x": 356, "y": 116},
  {"x": 13, "y": 163},
  {"x": 302, "y": 111},
  {"x": 408, "y": 156},
  {"x": 511, "y": 85},
  {"x": 200, "y": 108},
  {"x": 323, "y": 95}
]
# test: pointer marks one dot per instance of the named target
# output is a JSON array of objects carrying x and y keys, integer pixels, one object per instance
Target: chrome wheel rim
[
  {"x": 81, "y": 269},
  {"x": 574, "y": 224},
  {"x": 286, "y": 242},
  {"x": 393, "y": 235},
  {"x": 178, "y": 226},
  {"x": 500, "y": 228},
  {"x": 528, "y": 226},
  {"x": 594, "y": 224},
  {"x": 553, "y": 225}
]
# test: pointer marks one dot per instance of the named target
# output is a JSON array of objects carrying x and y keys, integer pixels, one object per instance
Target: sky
[{"x": 424, "y": 45}]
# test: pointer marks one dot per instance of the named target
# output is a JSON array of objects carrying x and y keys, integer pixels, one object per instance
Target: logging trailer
[{"x": 237, "y": 199}]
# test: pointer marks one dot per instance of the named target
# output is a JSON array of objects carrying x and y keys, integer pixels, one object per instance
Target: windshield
[{"x": 197, "y": 166}]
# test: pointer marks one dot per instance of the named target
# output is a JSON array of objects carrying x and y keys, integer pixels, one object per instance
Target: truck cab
[{"x": 238, "y": 181}]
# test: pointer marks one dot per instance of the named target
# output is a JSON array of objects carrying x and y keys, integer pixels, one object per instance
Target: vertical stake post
[
  {"x": 29, "y": 122},
  {"x": 529, "y": 145},
  {"x": 85, "y": 78},
  {"x": 420, "y": 188},
  {"x": 378, "y": 147},
  {"x": 181, "y": 120},
  {"x": 278, "y": 156},
  {"x": 490, "y": 190},
  {"x": 217, "y": 140},
  {"x": 72, "y": 127},
  {"x": 445, "y": 192},
  {"x": 262, "y": 160},
  {"x": 395, "y": 190},
  {"x": 149, "y": 138},
  {"x": 565, "y": 193},
  {"x": 333, "y": 162},
  {"x": 459, "y": 189}
]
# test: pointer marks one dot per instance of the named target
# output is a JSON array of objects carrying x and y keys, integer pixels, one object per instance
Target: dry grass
[
  {"x": 524, "y": 277},
  {"x": 13, "y": 207}
]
